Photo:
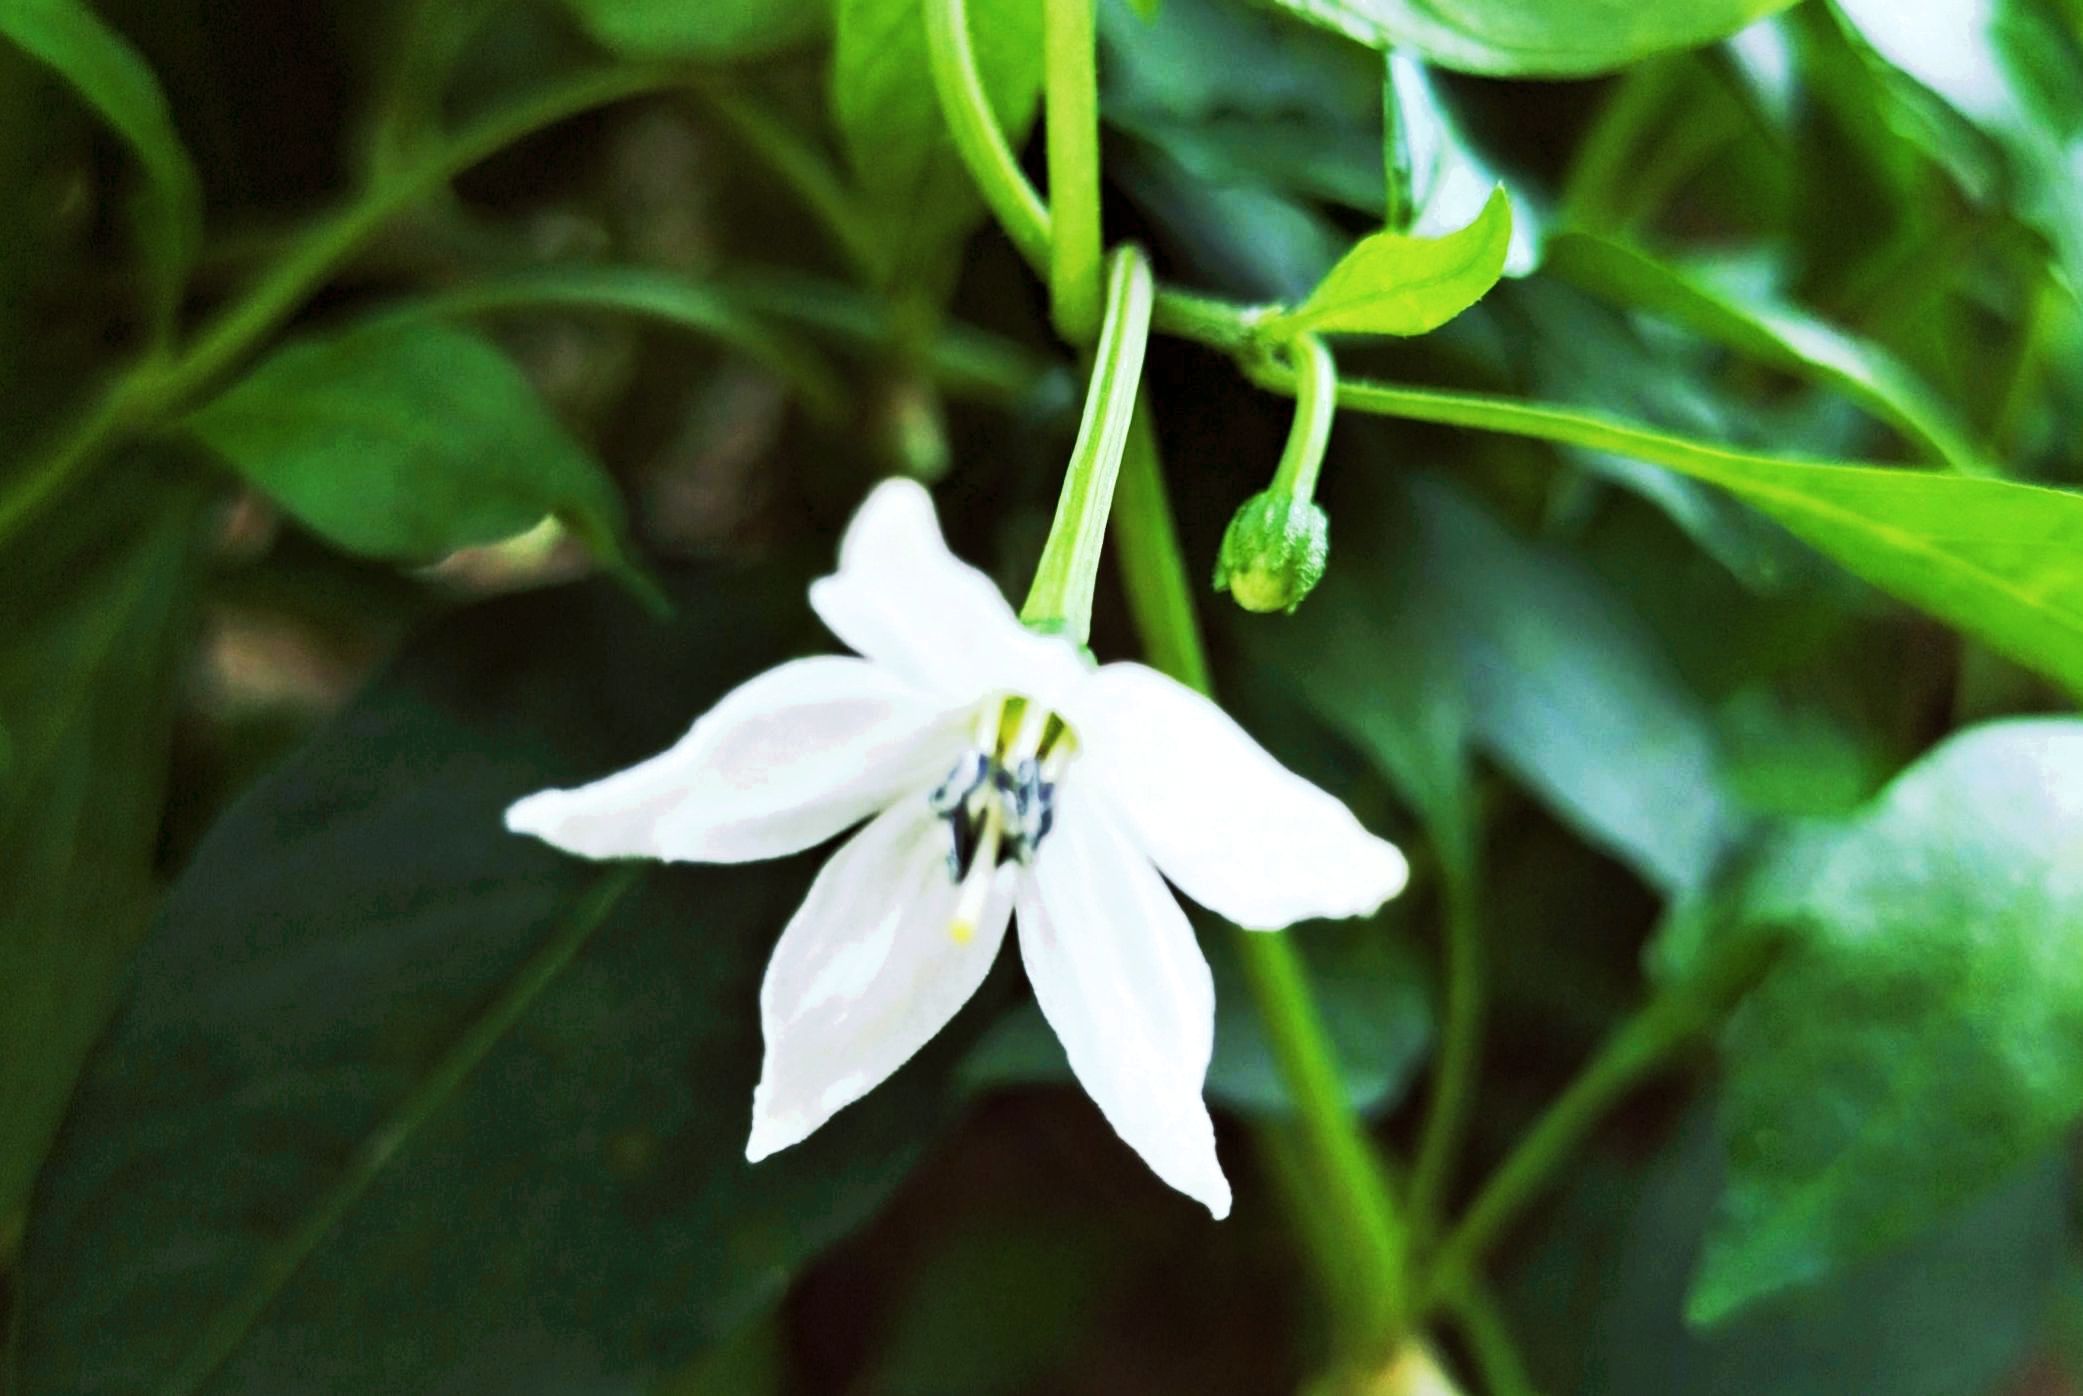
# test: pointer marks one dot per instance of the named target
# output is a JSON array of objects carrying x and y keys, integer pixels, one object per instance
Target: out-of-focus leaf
[
  {"x": 1999, "y": 560},
  {"x": 407, "y": 439},
  {"x": 710, "y": 29},
  {"x": 1533, "y": 38},
  {"x": 282, "y": 1150},
  {"x": 1394, "y": 283},
  {"x": 95, "y": 611},
  {"x": 921, "y": 198},
  {"x": 1949, "y": 1314},
  {"x": 1569, "y": 689},
  {"x": 1369, "y": 986},
  {"x": 110, "y": 77},
  {"x": 1773, "y": 334},
  {"x": 1917, "y": 1045}
]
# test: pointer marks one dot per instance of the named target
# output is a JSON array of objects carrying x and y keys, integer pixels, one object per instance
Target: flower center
[{"x": 999, "y": 801}]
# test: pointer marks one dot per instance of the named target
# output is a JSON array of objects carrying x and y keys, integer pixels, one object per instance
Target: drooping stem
[
  {"x": 1356, "y": 1195},
  {"x": 1316, "y": 404},
  {"x": 978, "y": 139},
  {"x": 1645, "y": 1043},
  {"x": 1061, "y": 598},
  {"x": 1071, "y": 111},
  {"x": 1460, "y": 1044}
]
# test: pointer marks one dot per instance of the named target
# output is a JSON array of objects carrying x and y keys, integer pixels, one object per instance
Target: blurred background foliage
[{"x": 313, "y": 1080}]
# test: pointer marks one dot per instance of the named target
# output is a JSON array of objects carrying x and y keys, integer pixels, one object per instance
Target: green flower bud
[{"x": 1273, "y": 552}]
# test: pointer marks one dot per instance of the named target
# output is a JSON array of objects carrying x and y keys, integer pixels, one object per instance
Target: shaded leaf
[
  {"x": 1918, "y": 1044},
  {"x": 1533, "y": 38},
  {"x": 112, "y": 79},
  {"x": 275, "y": 1154},
  {"x": 712, "y": 29},
  {"x": 407, "y": 439},
  {"x": 1395, "y": 283}
]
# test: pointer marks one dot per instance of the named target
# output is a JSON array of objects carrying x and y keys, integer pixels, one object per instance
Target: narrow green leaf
[
  {"x": 1917, "y": 1045},
  {"x": 710, "y": 29},
  {"x": 406, "y": 439},
  {"x": 1393, "y": 283},
  {"x": 378, "y": 1076},
  {"x": 95, "y": 610},
  {"x": 110, "y": 77},
  {"x": 883, "y": 99},
  {"x": 1533, "y": 38},
  {"x": 2001, "y": 561},
  {"x": 1773, "y": 334}
]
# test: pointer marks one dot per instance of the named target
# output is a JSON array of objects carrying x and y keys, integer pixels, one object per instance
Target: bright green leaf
[
  {"x": 406, "y": 439},
  {"x": 1533, "y": 38},
  {"x": 1917, "y": 1044},
  {"x": 708, "y": 29},
  {"x": 2002, "y": 561},
  {"x": 1393, "y": 283},
  {"x": 110, "y": 77},
  {"x": 918, "y": 193},
  {"x": 374, "y": 1080},
  {"x": 95, "y": 610},
  {"x": 1772, "y": 334}
]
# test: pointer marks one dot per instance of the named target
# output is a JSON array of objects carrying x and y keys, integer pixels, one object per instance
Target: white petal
[
  {"x": 786, "y": 760},
  {"x": 1119, "y": 976},
  {"x": 866, "y": 972},
  {"x": 906, "y": 602},
  {"x": 1237, "y": 831}
]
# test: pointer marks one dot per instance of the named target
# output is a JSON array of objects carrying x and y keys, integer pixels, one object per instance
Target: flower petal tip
[{"x": 769, "y": 1137}]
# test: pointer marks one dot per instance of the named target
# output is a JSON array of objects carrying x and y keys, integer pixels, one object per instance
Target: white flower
[{"x": 1000, "y": 775}]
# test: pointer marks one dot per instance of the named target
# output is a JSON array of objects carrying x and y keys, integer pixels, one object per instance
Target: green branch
[{"x": 978, "y": 139}]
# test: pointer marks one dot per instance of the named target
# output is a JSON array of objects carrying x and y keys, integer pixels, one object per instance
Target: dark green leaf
[
  {"x": 110, "y": 77},
  {"x": 921, "y": 198},
  {"x": 1533, "y": 38},
  {"x": 406, "y": 439},
  {"x": 1395, "y": 283},
  {"x": 96, "y": 612},
  {"x": 1570, "y": 690},
  {"x": 1918, "y": 1043},
  {"x": 276, "y": 1156},
  {"x": 1772, "y": 334},
  {"x": 710, "y": 29}
]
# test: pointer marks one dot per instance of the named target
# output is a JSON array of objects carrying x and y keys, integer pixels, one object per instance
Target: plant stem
[
  {"x": 1071, "y": 111},
  {"x": 978, "y": 139},
  {"x": 1060, "y": 600},
  {"x": 1316, "y": 404},
  {"x": 1356, "y": 1195},
  {"x": 1490, "y": 1343},
  {"x": 1461, "y": 1041},
  {"x": 1638, "y": 1047}
]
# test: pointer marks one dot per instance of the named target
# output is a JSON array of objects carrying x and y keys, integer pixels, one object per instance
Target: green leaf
[
  {"x": 375, "y": 1078},
  {"x": 1533, "y": 38},
  {"x": 1997, "y": 559},
  {"x": 1393, "y": 283},
  {"x": 1369, "y": 987},
  {"x": 710, "y": 29},
  {"x": 1951, "y": 1314},
  {"x": 883, "y": 98},
  {"x": 1917, "y": 1045},
  {"x": 109, "y": 76},
  {"x": 96, "y": 609},
  {"x": 1773, "y": 334},
  {"x": 1571, "y": 691},
  {"x": 407, "y": 440}
]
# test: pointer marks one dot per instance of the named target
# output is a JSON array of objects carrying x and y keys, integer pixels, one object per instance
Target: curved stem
[
  {"x": 978, "y": 139},
  {"x": 1637, "y": 1048},
  {"x": 1071, "y": 112},
  {"x": 1061, "y": 597},
  {"x": 1316, "y": 404},
  {"x": 1461, "y": 1043},
  {"x": 1356, "y": 1195}
]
